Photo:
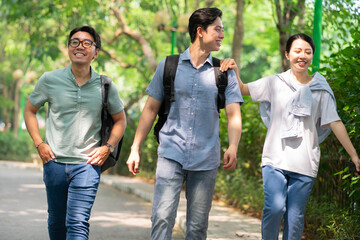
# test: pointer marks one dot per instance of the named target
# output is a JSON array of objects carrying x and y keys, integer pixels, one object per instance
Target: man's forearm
[
  {"x": 234, "y": 125},
  {"x": 145, "y": 124},
  {"x": 118, "y": 128},
  {"x": 31, "y": 123},
  {"x": 234, "y": 132}
]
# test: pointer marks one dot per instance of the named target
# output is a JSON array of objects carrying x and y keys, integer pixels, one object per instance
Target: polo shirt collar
[
  {"x": 185, "y": 56},
  {"x": 70, "y": 75}
]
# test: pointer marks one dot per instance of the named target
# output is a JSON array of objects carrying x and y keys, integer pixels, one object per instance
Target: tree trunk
[
  {"x": 209, "y": 3},
  {"x": 285, "y": 17},
  {"x": 238, "y": 33},
  {"x": 6, "y": 108},
  {"x": 301, "y": 23},
  {"x": 283, "y": 37}
]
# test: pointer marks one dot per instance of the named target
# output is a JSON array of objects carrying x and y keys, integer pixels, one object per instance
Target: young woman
[{"x": 300, "y": 112}]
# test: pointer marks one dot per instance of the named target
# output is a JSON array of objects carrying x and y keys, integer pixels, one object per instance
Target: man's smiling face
[{"x": 79, "y": 54}]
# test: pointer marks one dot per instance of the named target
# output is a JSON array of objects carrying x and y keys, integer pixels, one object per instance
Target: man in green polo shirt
[{"x": 71, "y": 151}]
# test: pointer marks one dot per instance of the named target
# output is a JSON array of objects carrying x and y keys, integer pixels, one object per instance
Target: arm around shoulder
[
  {"x": 230, "y": 63},
  {"x": 243, "y": 87}
]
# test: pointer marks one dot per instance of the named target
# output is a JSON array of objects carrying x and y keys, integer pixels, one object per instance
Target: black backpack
[
  {"x": 107, "y": 124},
  {"x": 171, "y": 64}
]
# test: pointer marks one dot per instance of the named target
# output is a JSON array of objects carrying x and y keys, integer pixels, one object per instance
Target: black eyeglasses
[{"x": 85, "y": 43}]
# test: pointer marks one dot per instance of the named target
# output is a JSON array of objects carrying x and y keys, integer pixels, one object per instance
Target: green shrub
[
  {"x": 326, "y": 220},
  {"x": 239, "y": 190},
  {"x": 16, "y": 148}
]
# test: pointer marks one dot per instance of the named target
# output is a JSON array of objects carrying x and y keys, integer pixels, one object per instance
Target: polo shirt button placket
[{"x": 79, "y": 97}]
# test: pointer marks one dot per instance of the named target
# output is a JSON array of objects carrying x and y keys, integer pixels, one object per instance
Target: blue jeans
[
  {"x": 71, "y": 191},
  {"x": 199, "y": 192},
  {"x": 286, "y": 194}
]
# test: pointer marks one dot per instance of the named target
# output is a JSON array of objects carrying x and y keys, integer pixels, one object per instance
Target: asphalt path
[{"x": 23, "y": 210}]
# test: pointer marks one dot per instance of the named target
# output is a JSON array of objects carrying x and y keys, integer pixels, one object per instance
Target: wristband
[
  {"x": 39, "y": 145},
  {"x": 111, "y": 148}
]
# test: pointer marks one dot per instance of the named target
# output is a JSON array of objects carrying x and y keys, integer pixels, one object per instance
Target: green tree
[{"x": 285, "y": 12}]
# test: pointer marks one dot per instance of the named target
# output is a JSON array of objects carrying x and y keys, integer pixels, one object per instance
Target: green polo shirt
[{"x": 74, "y": 118}]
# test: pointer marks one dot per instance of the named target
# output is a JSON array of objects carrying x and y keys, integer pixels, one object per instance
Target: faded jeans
[
  {"x": 286, "y": 194},
  {"x": 71, "y": 191},
  {"x": 199, "y": 192}
]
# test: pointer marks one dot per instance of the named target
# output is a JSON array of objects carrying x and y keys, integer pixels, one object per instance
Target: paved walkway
[{"x": 225, "y": 223}]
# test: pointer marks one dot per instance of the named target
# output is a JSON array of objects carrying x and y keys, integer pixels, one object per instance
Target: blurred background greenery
[{"x": 137, "y": 34}]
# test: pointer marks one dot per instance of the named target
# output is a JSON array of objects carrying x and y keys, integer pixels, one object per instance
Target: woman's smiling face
[{"x": 300, "y": 55}]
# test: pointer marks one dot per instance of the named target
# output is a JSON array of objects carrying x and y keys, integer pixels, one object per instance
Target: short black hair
[
  {"x": 202, "y": 17},
  {"x": 302, "y": 36},
  {"x": 89, "y": 30}
]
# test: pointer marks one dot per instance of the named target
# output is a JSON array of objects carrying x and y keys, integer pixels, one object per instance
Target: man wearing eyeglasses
[{"x": 71, "y": 152}]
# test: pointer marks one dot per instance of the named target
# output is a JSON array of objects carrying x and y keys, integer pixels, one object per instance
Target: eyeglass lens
[{"x": 85, "y": 43}]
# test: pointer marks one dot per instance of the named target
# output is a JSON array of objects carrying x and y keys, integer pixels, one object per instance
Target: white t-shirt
[{"x": 302, "y": 154}]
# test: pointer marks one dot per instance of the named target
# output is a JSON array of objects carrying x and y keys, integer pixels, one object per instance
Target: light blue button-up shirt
[{"x": 190, "y": 135}]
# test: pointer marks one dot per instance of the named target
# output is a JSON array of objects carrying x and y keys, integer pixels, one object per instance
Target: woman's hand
[{"x": 228, "y": 63}]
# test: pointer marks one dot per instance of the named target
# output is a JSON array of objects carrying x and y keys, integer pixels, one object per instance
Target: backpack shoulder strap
[
  {"x": 105, "y": 85},
  {"x": 221, "y": 83},
  {"x": 171, "y": 64}
]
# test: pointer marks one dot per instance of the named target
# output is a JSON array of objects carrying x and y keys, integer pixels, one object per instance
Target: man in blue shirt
[{"x": 189, "y": 149}]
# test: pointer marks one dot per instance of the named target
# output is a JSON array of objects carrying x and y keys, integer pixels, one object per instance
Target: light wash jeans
[
  {"x": 71, "y": 191},
  {"x": 199, "y": 192},
  {"x": 286, "y": 194}
]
